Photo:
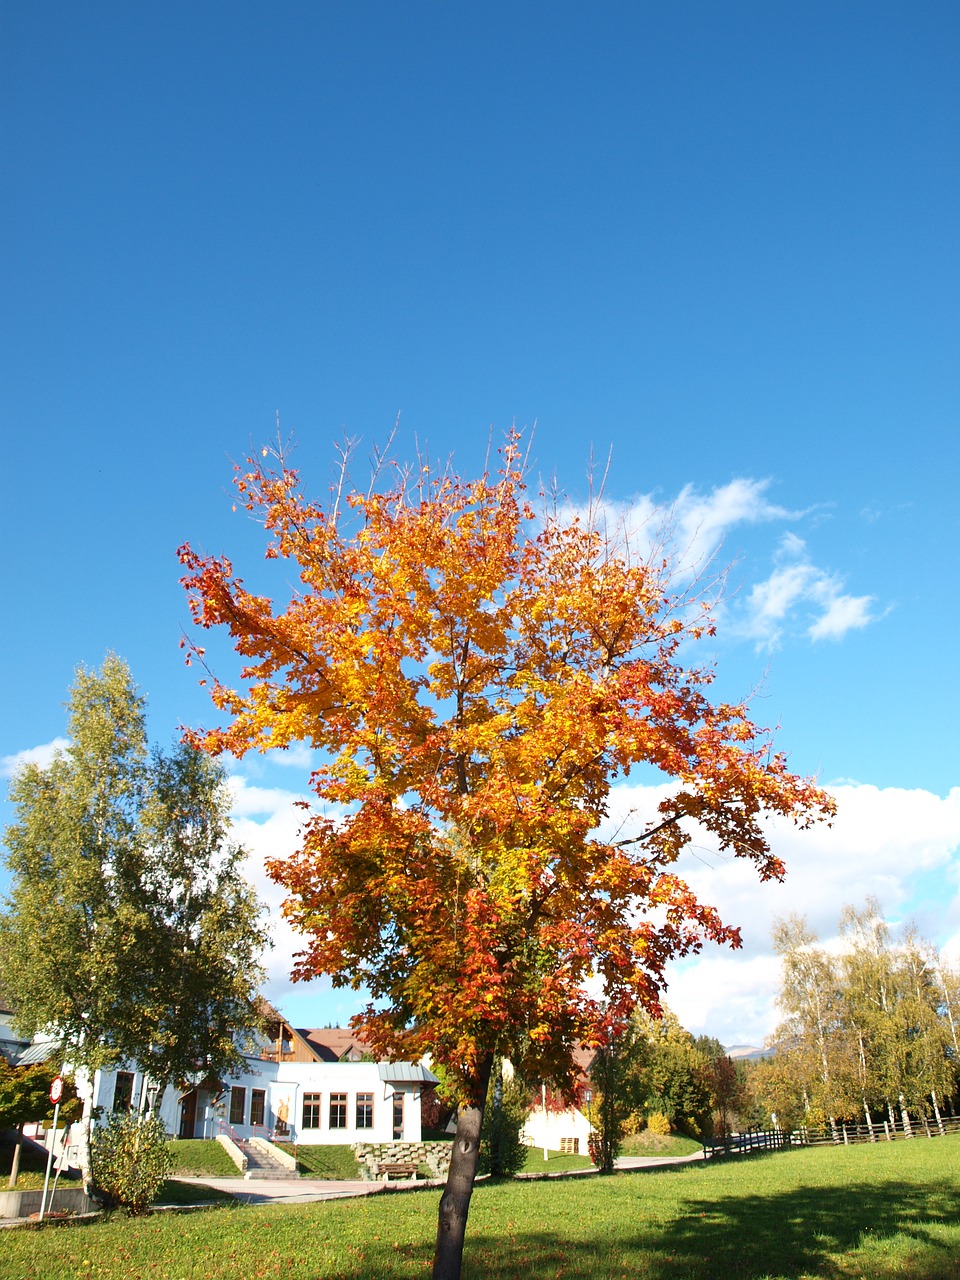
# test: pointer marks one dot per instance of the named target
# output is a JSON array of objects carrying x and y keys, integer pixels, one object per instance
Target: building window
[
  {"x": 258, "y": 1105},
  {"x": 397, "y": 1115},
  {"x": 311, "y": 1111},
  {"x": 123, "y": 1092},
  {"x": 570, "y": 1146},
  {"x": 364, "y": 1110},
  {"x": 338, "y": 1111},
  {"x": 238, "y": 1104}
]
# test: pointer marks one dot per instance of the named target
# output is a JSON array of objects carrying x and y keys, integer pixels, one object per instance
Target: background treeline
[{"x": 869, "y": 1031}]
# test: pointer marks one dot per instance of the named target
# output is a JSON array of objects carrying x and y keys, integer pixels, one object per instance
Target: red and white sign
[{"x": 56, "y": 1089}]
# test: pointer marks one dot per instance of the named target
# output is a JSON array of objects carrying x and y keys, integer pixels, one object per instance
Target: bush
[
  {"x": 131, "y": 1161},
  {"x": 658, "y": 1123}
]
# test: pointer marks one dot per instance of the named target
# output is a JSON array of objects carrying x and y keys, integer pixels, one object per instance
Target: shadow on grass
[{"x": 788, "y": 1234}]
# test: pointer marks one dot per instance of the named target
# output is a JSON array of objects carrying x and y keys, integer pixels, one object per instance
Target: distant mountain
[{"x": 741, "y": 1051}]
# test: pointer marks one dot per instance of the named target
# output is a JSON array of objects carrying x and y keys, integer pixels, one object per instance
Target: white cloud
[
  {"x": 689, "y": 534},
  {"x": 297, "y": 756},
  {"x": 41, "y": 755},
  {"x": 267, "y": 823},
  {"x": 690, "y": 529},
  {"x": 797, "y": 584},
  {"x": 903, "y": 846},
  {"x": 703, "y": 521},
  {"x": 843, "y": 614}
]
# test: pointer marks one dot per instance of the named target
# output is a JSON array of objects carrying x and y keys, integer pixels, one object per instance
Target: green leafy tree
[
  {"x": 816, "y": 1031},
  {"x": 502, "y": 1152},
  {"x": 674, "y": 1078},
  {"x": 131, "y": 1161},
  {"x": 617, "y": 1080},
  {"x": 894, "y": 1000},
  {"x": 129, "y": 930}
]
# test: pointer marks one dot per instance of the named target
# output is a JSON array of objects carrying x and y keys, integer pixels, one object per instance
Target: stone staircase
[{"x": 264, "y": 1160}]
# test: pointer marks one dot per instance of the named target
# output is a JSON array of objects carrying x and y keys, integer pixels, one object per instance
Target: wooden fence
[{"x": 841, "y": 1134}]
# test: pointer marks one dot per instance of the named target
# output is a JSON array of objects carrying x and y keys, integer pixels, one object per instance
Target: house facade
[{"x": 309, "y": 1086}]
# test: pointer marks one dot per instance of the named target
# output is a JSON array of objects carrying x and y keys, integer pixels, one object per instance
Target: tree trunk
[
  {"x": 907, "y": 1128},
  {"x": 866, "y": 1112},
  {"x": 86, "y": 1129},
  {"x": 15, "y": 1165},
  {"x": 936, "y": 1112},
  {"x": 455, "y": 1201}
]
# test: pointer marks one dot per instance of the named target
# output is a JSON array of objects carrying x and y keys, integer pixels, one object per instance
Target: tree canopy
[
  {"x": 477, "y": 674},
  {"x": 130, "y": 931}
]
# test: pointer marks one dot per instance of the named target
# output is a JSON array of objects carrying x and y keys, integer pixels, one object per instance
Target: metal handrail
[{"x": 233, "y": 1135}]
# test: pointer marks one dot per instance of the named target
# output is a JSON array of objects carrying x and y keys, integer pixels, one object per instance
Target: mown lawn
[
  {"x": 321, "y": 1161},
  {"x": 646, "y": 1143},
  {"x": 199, "y": 1158},
  {"x": 871, "y": 1212},
  {"x": 555, "y": 1162}
]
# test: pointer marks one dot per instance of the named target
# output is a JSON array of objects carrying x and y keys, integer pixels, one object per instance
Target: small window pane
[
  {"x": 123, "y": 1092},
  {"x": 238, "y": 1104},
  {"x": 398, "y": 1115},
  {"x": 338, "y": 1111},
  {"x": 311, "y": 1111},
  {"x": 364, "y": 1110}
]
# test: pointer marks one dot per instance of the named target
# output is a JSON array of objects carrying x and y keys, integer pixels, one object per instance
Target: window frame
[
  {"x": 364, "y": 1117},
  {"x": 337, "y": 1111},
  {"x": 397, "y": 1115},
  {"x": 123, "y": 1093},
  {"x": 312, "y": 1112},
  {"x": 238, "y": 1104},
  {"x": 258, "y": 1106}
]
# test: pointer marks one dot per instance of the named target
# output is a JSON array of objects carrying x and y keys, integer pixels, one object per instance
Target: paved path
[
  {"x": 286, "y": 1190},
  {"x": 305, "y": 1190},
  {"x": 652, "y": 1162}
]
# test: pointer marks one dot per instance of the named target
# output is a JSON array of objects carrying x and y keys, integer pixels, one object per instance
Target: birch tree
[{"x": 129, "y": 931}]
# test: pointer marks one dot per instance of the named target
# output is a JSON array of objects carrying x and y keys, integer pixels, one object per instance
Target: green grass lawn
[
  {"x": 871, "y": 1212},
  {"x": 201, "y": 1157},
  {"x": 324, "y": 1161},
  {"x": 646, "y": 1143},
  {"x": 555, "y": 1162}
]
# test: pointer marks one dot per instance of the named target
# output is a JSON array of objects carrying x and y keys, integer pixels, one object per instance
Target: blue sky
[{"x": 718, "y": 238}]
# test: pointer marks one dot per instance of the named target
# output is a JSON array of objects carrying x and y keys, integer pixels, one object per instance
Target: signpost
[{"x": 56, "y": 1093}]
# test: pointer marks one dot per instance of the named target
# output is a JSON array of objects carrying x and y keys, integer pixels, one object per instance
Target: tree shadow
[{"x": 747, "y": 1237}]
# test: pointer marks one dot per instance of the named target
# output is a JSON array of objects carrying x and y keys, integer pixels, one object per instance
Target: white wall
[
  {"x": 547, "y": 1128},
  {"x": 287, "y": 1083}
]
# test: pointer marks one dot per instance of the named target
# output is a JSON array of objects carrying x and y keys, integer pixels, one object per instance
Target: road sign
[{"x": 56, "y": 1089}]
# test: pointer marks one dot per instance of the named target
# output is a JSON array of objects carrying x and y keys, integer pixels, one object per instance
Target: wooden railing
[{"x": 841, "y": 1133}]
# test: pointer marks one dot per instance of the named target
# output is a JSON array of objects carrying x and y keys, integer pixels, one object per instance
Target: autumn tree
[
  {"x": 25, "y": 1099},
  {"x": 477, "y": 674},
  {"x": 130, "y": 932}
]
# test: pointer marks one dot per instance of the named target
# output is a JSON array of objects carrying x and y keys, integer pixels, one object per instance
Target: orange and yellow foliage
[{"x": 476, "y": 676}]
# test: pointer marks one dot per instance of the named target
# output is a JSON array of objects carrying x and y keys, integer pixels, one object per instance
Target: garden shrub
[
  {"x": 658, "y": 1123},
  {"x": 131, "y": 1161}
]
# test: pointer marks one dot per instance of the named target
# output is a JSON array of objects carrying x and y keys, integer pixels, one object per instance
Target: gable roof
[{"x": 333, "y": 1044}]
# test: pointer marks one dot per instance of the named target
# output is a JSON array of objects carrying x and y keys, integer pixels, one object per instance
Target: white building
[{"x": 305, "y": 1086}]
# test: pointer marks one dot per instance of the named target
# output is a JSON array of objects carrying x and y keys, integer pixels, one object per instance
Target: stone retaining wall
[{"x": 435, "y": 1155}]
